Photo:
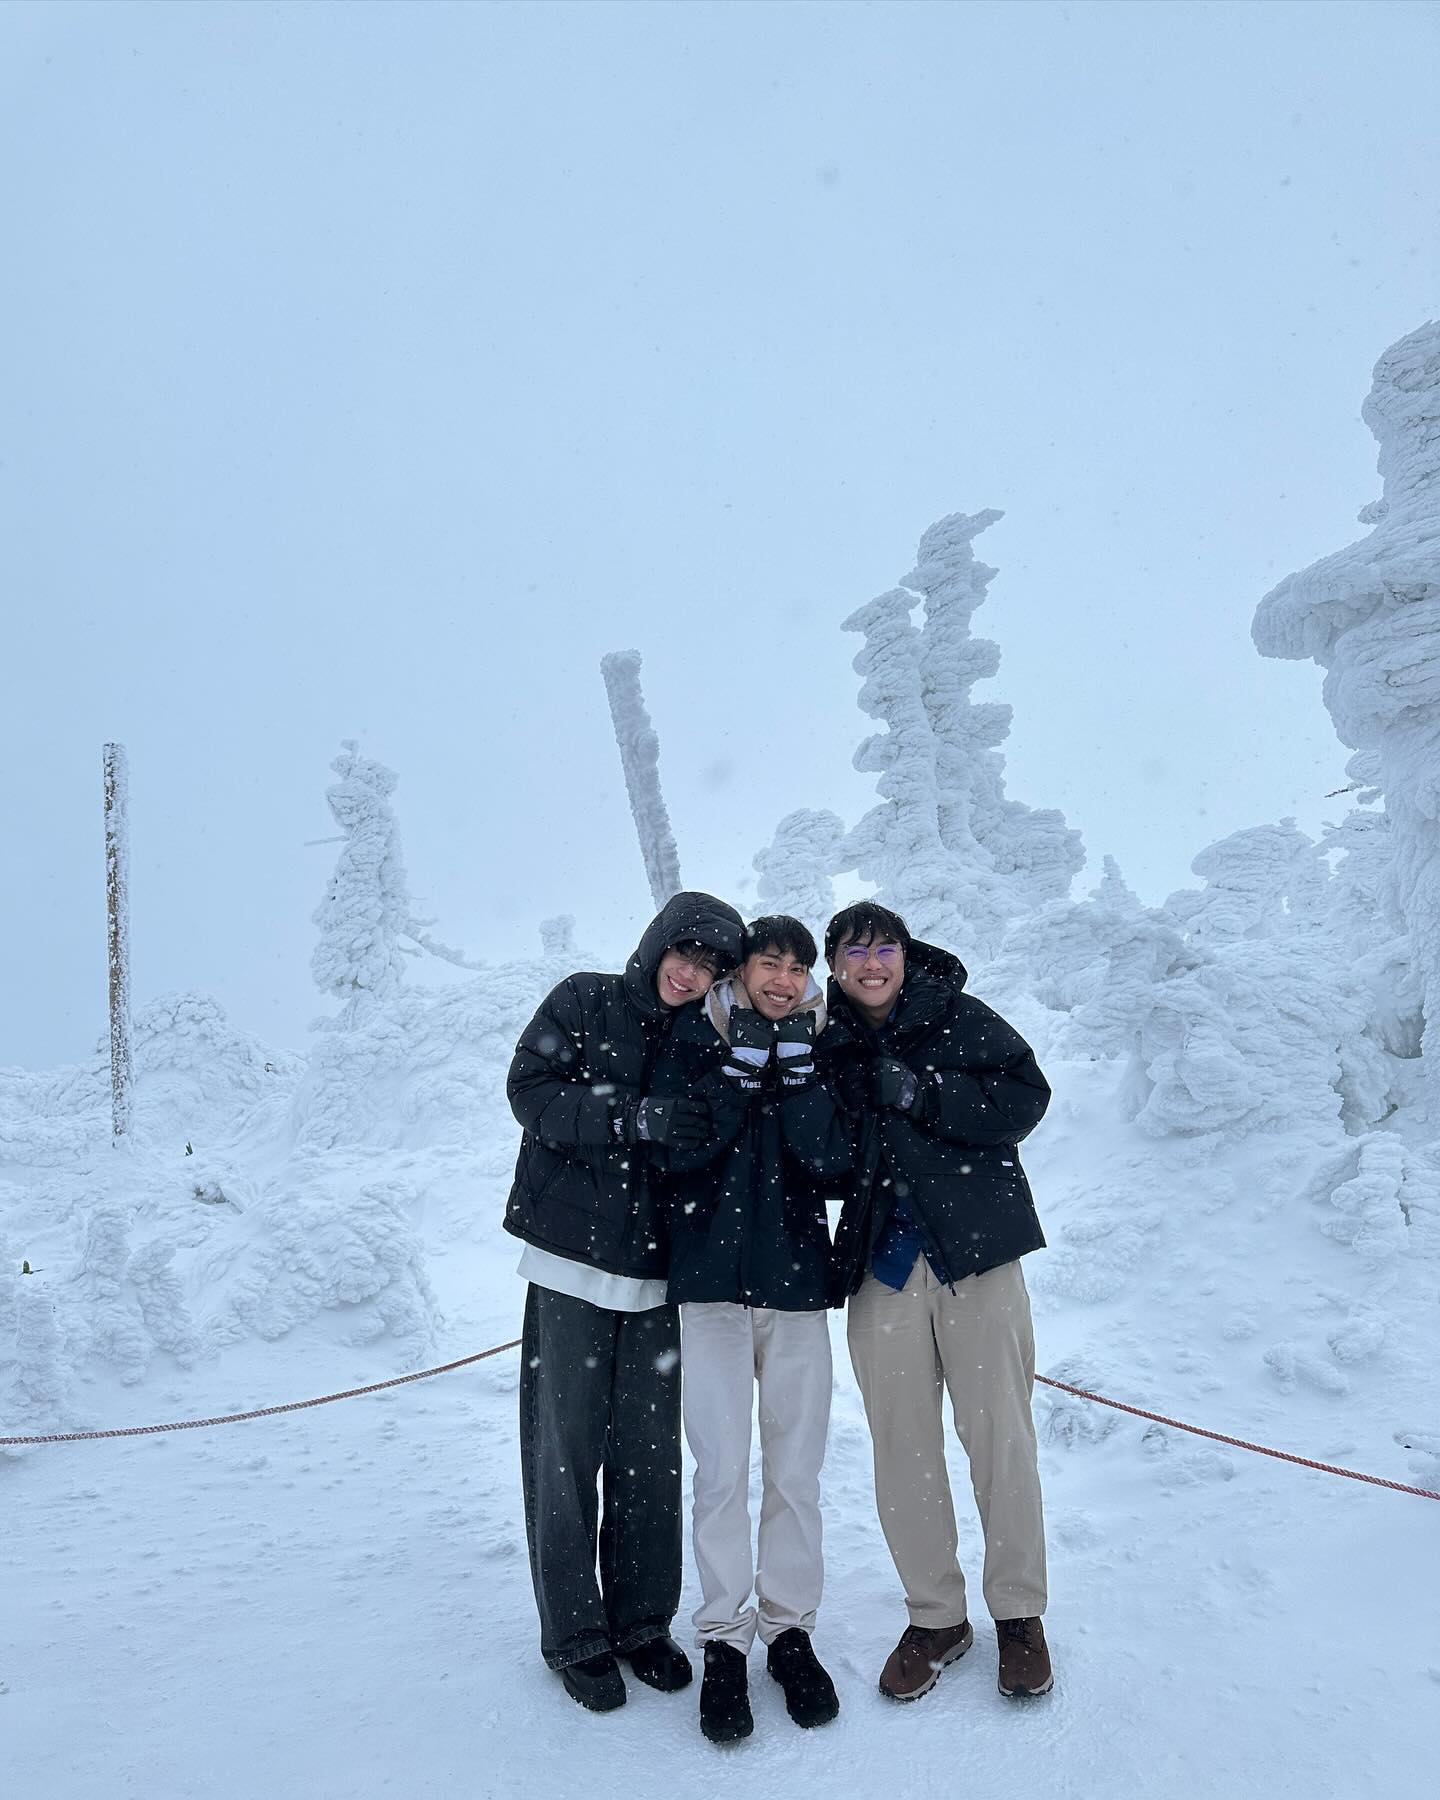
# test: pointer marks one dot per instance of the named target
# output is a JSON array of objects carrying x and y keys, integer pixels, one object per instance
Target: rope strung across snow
[
  {"x": 1219, "y": 1437},
  {"x": 260, "y": 1412},
  {"x": 463, "y": 1362}
]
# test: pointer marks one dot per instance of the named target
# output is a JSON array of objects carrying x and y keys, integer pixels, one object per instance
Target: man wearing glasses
[
  {"x": 600, "y": 1353},
  {"x": 941, "y": 1090}
]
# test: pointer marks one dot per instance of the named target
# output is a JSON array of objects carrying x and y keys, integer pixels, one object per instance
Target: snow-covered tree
[
  {"x": 1257, "y": 881},
  {"x": 366, "y": 909},
  {"x": 897, "y": 844},
  {"x": 1095, "y": 964},
  {"x": 1034, "y": 852},
  {"x": 945, "y": 847},
  {"x": 557, "y": 935},
  {"x": 1370, "y": 616},
  {"x": 794, "y": 868}
]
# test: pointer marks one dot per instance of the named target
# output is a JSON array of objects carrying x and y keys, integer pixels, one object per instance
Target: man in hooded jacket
[
  {"x": 600, "y": 1379},
  {"x": 942, "y": 1090}
]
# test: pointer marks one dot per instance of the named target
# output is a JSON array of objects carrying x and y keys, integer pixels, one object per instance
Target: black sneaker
[
  {"x": 596, "y": 1683},
  {"x": 660, "y": 1663},
  {"x": 810, "y": 1697},
  {"x": 725, "y": 1715}
]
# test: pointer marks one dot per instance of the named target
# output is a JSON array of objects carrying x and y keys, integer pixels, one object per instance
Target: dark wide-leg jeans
[{"x": 600, "y": 1398}]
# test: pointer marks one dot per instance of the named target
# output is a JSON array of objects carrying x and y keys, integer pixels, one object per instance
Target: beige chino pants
[
  {"x": 727, "y": 1351},
  {"x": 907, "y": 1348}
]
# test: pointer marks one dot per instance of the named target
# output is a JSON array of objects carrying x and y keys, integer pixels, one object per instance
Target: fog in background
[{"x": 370, "y": 370}]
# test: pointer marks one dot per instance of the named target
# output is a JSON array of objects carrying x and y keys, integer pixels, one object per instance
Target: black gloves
[
  {"x": 885, "y": 1083},
  {"x": 795, "y": 1050},
  {"x": 749, "y": 1030},
  {"x": 758, "y": 1044},
  {"x": 894, "y": 1085},
  {"x": 672, "y": 1120},
  {"x": 751, "y": 1040}
]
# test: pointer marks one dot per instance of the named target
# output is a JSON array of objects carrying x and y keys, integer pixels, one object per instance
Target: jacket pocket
[
  {"x": 978, "y": 1220},
  {"x": 916, "y": 1153}
]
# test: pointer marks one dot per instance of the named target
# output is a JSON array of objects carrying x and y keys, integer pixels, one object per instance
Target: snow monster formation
[
  {"x": 944, "y": 845},
  {"x": 1370, "y": 616}
]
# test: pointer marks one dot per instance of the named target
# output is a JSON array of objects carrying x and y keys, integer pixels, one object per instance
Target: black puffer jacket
[
  {"x": 957, "y": 1168},
  {"x": 580, "y": 1190},
  {"x": 747, "y": 1209}
]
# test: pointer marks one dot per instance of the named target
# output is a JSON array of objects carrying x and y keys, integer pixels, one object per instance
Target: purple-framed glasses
[{"x": 859, "y": 953}]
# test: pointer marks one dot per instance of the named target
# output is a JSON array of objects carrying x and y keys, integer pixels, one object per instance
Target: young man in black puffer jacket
[
  {"x": 749, "y": 1267},
  {"x": 599, "y": 1372},
  {"x": 941, "y": 1090}
]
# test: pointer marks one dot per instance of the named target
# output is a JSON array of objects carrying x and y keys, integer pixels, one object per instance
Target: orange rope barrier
[{"x": 463, "y": 1362}]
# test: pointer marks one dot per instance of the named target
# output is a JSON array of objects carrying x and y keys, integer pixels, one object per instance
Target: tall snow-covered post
[
  {"x": 640, "y": 760},
  {"x": 1370, "y": 616},
  {"x": 117, "y": 907}
]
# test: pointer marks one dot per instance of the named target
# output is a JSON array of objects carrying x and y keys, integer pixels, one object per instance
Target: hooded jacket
[
  {"x": 580, "y": 1189},
  {"x": 956, "y": 1166},
  {"x": 747, "y": 1209}
]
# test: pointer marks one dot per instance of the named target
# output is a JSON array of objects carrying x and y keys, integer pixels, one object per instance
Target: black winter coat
[
  {"x": 957, "y": 1168},
  {"x": 747, "y": 1210},
  {"x": 580, "y": 1189}
]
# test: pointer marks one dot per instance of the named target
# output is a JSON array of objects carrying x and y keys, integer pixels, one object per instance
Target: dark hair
[
  {"x": 697, "y": 951},
  {"x": 862, "y": 924},
  {"x": 778, "y": 931}
]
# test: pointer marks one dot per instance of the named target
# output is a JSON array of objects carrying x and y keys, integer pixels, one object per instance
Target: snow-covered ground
[
  {"x": 336, "y": 1603},
  {"x": 1239, "y": 1175}
]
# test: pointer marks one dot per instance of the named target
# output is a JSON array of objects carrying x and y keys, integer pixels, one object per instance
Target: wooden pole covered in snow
[
  {"x": 640, "y": 759},
  {"x": 117, "y": 897}
]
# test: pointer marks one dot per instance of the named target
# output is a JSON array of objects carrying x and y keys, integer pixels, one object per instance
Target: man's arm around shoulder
[{"x": 546, "y": 1087}]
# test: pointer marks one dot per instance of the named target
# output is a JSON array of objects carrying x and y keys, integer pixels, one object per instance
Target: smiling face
[
  {"x": 686, "y": 972},
  {"x": 872, "y": 973},
  {"x": 775, "y": 980}
]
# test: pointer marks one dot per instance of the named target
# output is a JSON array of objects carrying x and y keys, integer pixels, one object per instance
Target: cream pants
[
  {"x": 726, "y": 1352},
  {"x": 907, "y": 1349}
]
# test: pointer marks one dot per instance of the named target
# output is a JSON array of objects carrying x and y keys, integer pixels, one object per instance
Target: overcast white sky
[{"x": 370, "y": 370}]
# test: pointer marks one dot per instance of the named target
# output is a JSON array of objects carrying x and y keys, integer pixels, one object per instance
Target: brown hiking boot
[
  {"x": 914, "y": 1665},
  {"x": 1024, "y": 1659}
]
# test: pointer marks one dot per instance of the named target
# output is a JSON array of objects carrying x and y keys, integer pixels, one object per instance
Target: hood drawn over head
[{"x": 687, "y": 916}]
